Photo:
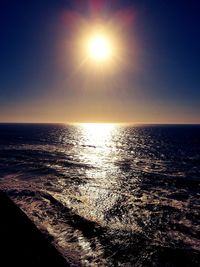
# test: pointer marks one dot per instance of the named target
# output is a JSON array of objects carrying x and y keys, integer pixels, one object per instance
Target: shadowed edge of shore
[{"x": 21, "y": 243}]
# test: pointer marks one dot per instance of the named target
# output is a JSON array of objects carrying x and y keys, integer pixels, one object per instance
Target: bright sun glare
[
  {"x": 99, "y": 48},
  {"x": 97, "y": 133}
]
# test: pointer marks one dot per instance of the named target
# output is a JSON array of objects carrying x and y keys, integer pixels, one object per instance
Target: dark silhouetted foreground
[{"x": 21, "y": 243}]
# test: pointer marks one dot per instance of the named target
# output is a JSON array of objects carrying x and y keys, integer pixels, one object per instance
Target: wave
[{"x": 88, "y": 242}]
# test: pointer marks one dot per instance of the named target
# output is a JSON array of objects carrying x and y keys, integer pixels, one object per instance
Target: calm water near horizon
[{"x": 108, "y": 195}]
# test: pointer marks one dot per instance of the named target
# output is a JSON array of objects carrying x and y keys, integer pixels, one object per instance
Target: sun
[{"x": 99, "y": 48}]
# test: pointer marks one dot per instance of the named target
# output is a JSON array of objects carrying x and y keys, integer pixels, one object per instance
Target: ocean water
[{"x": 108, "y": 195}]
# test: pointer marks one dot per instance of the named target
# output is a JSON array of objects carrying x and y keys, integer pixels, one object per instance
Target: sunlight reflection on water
[
  {"x": 97, "y": 147},
  {"x": 97, "y": 139},
  {"x": 112, "y": 195}
]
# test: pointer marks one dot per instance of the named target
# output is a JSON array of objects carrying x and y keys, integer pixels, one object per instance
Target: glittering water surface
[{"x": 108, "y": 195}]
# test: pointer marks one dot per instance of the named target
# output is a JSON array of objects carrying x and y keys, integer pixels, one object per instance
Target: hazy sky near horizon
[{"x": 154, "y": 79}]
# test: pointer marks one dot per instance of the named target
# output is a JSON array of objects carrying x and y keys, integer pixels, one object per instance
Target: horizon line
[{"x": 119, "y": 123}]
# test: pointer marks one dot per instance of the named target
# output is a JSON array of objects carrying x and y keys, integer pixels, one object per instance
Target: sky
[{"x": 154, "y": 77}]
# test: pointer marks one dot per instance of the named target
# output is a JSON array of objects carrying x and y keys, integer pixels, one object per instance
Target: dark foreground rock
[{"x": 21, "y": 243}]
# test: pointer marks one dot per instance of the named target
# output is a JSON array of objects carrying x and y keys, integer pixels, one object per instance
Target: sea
[{"x": 108, "y": 194}]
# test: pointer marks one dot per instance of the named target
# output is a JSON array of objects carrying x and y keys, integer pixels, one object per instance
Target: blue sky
[{"x": 159, "y": 83}]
